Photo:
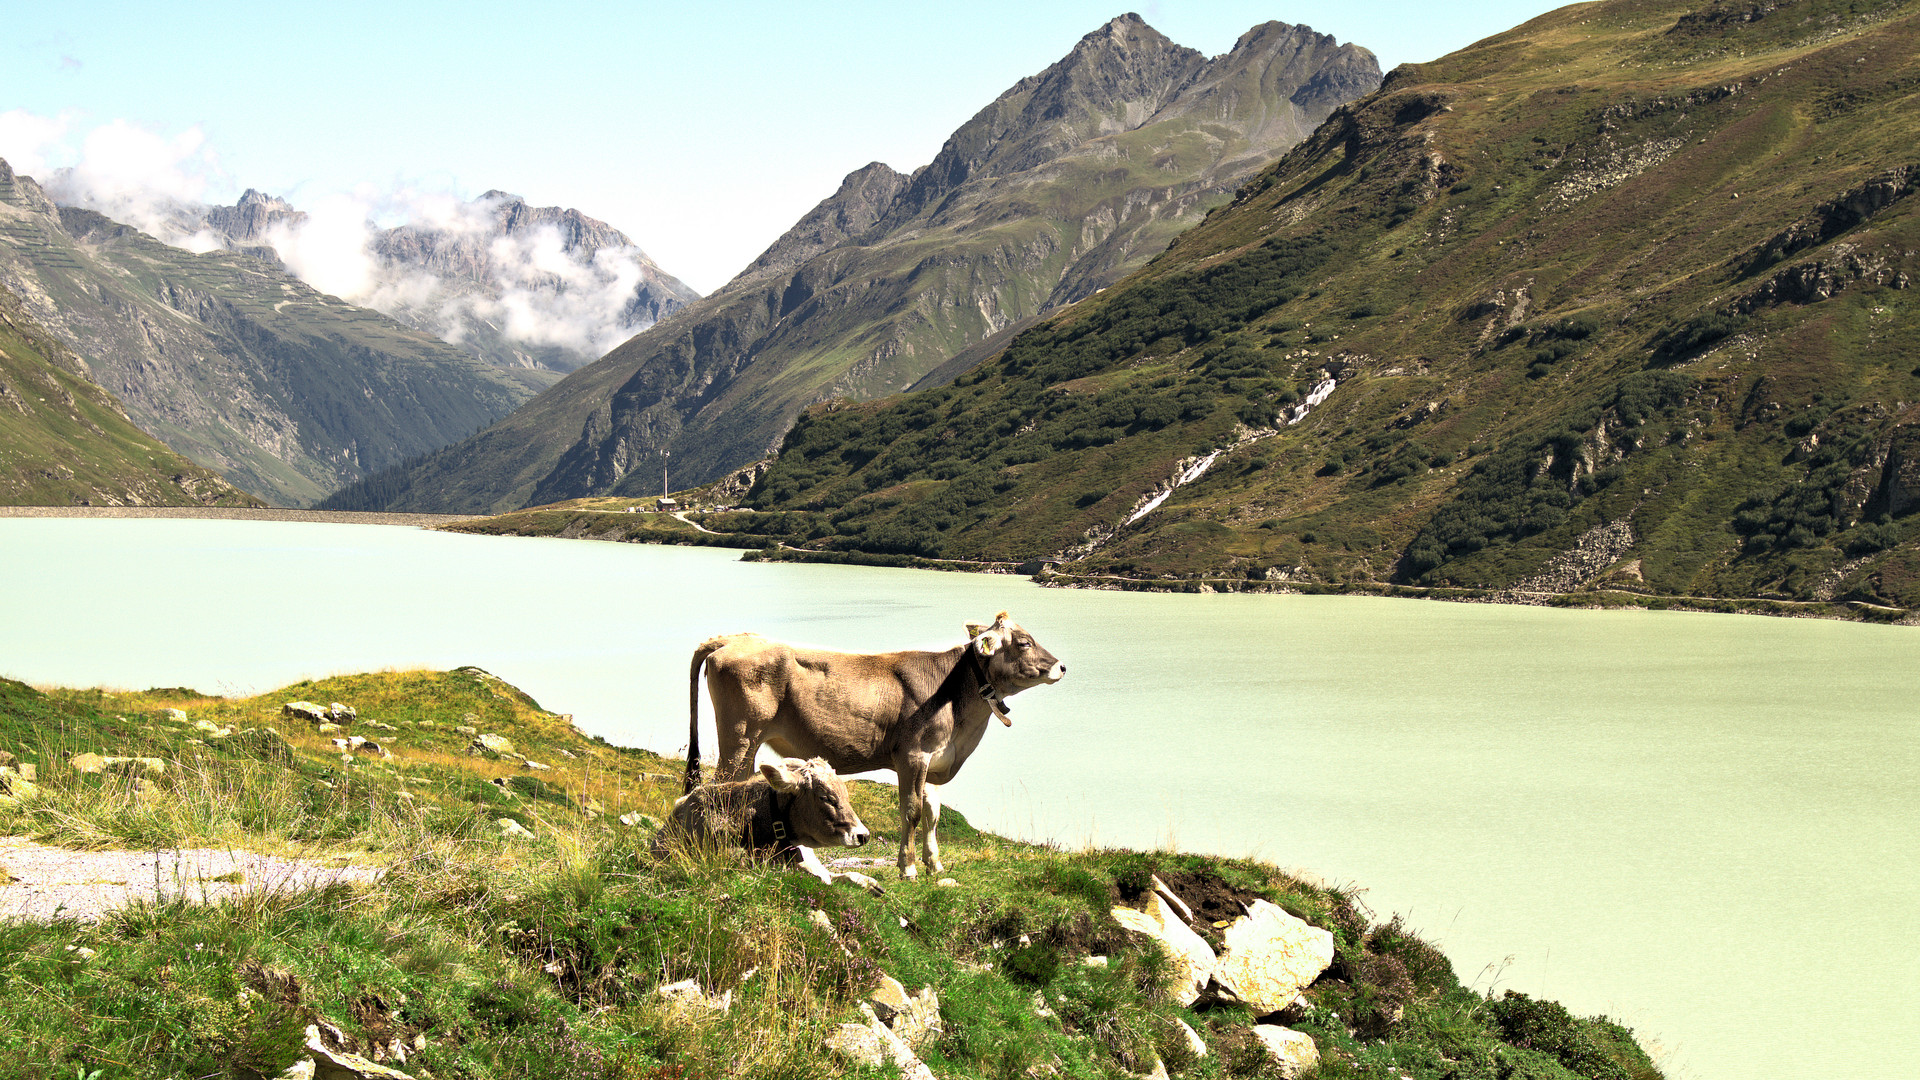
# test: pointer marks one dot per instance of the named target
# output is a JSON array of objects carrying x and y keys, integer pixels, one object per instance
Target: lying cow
[
  {"x": 915, "y": 712},
  {"x": 785, "y": 811}
]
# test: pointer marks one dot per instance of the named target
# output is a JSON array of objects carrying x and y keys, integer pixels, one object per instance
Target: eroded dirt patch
[{"x": 59, "y": 883}]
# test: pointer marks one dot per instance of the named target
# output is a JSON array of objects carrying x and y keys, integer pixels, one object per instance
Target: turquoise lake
[{"x": 1705, "y": 826}]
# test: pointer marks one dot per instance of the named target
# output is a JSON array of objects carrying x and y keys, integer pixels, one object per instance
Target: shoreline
[
  {"x": 1613, "y": 599},
  {"x": 234, "y": 513}
]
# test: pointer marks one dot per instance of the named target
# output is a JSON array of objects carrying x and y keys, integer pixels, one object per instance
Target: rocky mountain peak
[
  {"x": 246, "y": 222},
  {"x": 24, "y": 192},
  {"x": 844, "y": 216}
]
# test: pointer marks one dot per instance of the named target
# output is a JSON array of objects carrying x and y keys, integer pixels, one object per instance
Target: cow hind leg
[{"x": 930, "y": 821}]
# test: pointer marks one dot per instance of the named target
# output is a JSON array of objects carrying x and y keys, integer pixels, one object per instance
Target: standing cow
[{"x": 918, "y": 713}]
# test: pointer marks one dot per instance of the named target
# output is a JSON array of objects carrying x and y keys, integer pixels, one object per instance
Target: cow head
[
  {"x": 1014, "y": 661},
  {"x": 822, "y": 814}
]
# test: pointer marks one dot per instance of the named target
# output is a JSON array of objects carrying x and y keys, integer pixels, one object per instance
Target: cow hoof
[{"x": 908, "y": 873}]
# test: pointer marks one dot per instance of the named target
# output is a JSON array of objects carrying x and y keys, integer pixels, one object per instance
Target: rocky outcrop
[{"x": 1591, "y": 554}]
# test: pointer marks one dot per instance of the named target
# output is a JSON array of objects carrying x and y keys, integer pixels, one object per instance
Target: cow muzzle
[
  {"x": 1057, "y": 672},
  {"x": 854, "y": 837}
]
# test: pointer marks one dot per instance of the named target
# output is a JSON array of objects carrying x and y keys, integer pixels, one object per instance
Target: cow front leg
[
  {"x": 913, "y": 795},
  {"x": 929, "y": 821}
]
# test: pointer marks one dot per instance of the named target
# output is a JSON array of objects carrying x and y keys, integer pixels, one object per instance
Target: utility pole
[{"x": 664, "y": 454}]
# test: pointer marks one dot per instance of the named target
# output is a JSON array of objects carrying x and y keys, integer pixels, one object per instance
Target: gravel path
[{"x": 51, "y": 882}]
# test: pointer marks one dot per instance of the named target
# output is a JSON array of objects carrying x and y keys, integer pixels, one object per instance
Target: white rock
[
  {"x": 686, "y": 996},
  {"x": 1194, "y": 1042},
  {"x": 920, "y": 1020},
  {"x": 330, "y": 1064},
  {"x": 305, "y": 710},
  {"x": 1293, "y": 1051},
  {"x": 858, "y": 1044},
  {"x": 1268, "y": 957},
  {"x": 174, "y": 715},
  {"x": 1193, "y": 959},
  {"x": 512, "y": 830},
  {"x": 490, "y": 743},
  {"x": 211, "y": 729},
  {"x": 341, "y": 714},
  {"x": 819, "y": 918},
  {"x": 889, "y": 999},
  {"x": 1093, "y": 961},
  {"x": 947, "y": 883}
]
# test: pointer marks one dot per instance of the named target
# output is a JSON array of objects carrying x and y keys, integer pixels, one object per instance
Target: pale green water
[{"x": 1706, "y": 826}]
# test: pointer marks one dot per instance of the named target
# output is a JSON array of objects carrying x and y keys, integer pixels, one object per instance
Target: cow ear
[
  {"x": 780, "y": 777},
  {"x": 989, "y": 642},
  {"x": 975, "y": 629}
]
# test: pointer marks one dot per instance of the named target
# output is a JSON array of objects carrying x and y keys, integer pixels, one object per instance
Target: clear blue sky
[{"x": 702, "y": 131}]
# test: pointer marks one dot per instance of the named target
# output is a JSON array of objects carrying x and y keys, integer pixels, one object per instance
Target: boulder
[
  {"x": 7, "y": 760},
  {"x": 872, "y": 1044},
  {"x": 1268, "y": 957},
  {"x": 209, "y": 728},
  {"x": 378, "y": 726},
  {"x": 87, "y": 763},
  {"x": 341, "y": 714},
  {"x": 337, "y": 1064},
  {"x": 134, "y": 766},
  {"x": 920, "y": 1020},
  {"x": 511, "y": 829},
  {"x": 686, "y": 997},
  {"x": 1193, "y": 959},
  {"x": 489, "y": 743},
  {"x": 305, "y": 710},
  {"x": 1196, "y": 1045},
  {"x": 858, "y": 1044},
  {"x": 529, "y": 763},
  {"x": 1292, "y": 1052},
  {"x": 889, "y": 999},
  {"x": 463, "y": 729},
  {"x": 174, "y": 715}
]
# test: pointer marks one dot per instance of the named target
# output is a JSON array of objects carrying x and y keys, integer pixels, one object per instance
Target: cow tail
[{"x": 707, "y": 648}]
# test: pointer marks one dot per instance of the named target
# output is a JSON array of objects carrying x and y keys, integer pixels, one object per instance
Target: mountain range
[
  {"x": 1619, "y": 300},
  {"x": 519, "y": 286},
  {"x": 233, "y": 362},
  {"x": 1052, "y": 192}
]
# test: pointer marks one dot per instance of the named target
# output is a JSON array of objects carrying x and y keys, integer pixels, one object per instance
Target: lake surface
[{"x": 1705, "y": 826}]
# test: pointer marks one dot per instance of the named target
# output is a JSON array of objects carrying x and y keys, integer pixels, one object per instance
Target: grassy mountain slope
[
  {"x": 65, "y": 441},
  {"x": 1056, "y": 189},
  {"x": 476, "y": 956},
  {"x": 234, "y": 363},
  {"x": 1618, "y": 298}
]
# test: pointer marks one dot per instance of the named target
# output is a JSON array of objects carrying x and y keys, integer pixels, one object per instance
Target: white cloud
[
  {"x": 538, "y": 293},
  {"x": 331, "y": 247},
  {"x": 33, "y": 144}
]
